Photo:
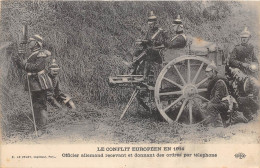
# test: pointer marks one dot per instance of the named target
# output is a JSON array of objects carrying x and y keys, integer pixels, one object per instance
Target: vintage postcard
[{"x": 129, "y": 84}]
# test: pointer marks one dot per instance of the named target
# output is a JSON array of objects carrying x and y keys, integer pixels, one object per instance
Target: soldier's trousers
[
  {"x": 152, "y": 56},
  {"x": 39, "y": 101},
  {"x": 217, "y": 113},
  {"x": 248, "y": 106}
]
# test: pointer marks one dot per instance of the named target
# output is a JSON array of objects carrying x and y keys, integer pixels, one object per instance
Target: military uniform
[
  {"x": 244, "y": 53},
  {"x": 217, "y": 90},
  {"x": 149, "y": 52},
  {"x": 39, "y": 82},
  {"x": 179, "y": 40},
  {"x": 54, "y": 95}
]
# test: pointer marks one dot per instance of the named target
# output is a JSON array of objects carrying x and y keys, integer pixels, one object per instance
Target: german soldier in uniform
[
  {"x": 243, "y": 55},
  {"x": 38, "y": 81},
  {"x": 244, "y": 65},
  {"x": 150, "y": 47},
  {"x": 179, "y": 40},
  {"x": 54, "y": 95},
  {"x": 217, "y": 90}
]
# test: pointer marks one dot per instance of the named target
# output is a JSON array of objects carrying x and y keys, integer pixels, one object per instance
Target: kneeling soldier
[
  {"x": 217, "y": 90},
  {"x": 55, "y": 96}
]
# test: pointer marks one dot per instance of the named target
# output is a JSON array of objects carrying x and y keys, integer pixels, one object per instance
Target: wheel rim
[{"x": 180, "y": 88}]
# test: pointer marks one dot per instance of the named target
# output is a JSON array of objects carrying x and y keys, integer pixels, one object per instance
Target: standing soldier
[
  {"x": 37, "y": 79},
  {"x": 150, "y": 47},
  {"x": 179, "y": 40},
  {"x": 244, "y": 65}
]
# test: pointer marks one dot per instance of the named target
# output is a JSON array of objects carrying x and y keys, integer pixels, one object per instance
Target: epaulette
[{"x": 44, "y": 53}]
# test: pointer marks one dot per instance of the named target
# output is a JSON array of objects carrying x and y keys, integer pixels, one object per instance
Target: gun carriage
[{"x": 177, "y": 88}]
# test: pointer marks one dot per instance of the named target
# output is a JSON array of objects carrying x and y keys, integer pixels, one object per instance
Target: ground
[{"x": 91, "y": 124}]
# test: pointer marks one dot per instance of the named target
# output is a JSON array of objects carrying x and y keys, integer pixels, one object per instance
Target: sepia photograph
[{"x": 157, "y": 80}]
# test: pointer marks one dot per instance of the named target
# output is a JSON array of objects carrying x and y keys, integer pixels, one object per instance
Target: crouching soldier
[
  {"x": 54, "y": 95},
  {"x": 222, "y": 107},
  {"x": 38, "y": 81},
  {"x": 217, "y": 90}
]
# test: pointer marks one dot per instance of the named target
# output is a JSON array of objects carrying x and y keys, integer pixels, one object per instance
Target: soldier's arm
[
  {"x": 233, "y": 62},
  {"x": 37, "y": 66},
  {"x": 254, "y": 58},
  {"x": 219, "y": 93},
  {"x": 57, "y": 90}
]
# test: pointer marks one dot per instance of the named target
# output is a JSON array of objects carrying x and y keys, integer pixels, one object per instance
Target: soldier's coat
[
  {"x": 36, "y": 67},
  {"x": 242, "y": 54}
]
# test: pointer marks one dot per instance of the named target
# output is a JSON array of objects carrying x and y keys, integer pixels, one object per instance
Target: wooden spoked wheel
[{"x": 180, "y": 90}]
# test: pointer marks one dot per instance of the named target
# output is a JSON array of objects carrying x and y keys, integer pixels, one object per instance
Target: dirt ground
[{"x": 90, "y": 124}]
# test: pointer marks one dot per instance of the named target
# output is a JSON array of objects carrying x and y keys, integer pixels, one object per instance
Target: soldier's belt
[{"x": 38, "y": 73}]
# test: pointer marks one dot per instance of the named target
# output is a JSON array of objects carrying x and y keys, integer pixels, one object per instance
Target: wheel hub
[{"x": 190, "y": 91}]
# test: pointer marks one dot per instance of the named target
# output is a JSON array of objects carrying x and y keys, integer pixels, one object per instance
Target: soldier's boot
[
  {"x": 217, "y": 122},
  {"x": 248, "y": 115},
  {"x": 42, "y": 122},
  {"x": 213, "y": 120},
  {"x": 44, "y": 117}
]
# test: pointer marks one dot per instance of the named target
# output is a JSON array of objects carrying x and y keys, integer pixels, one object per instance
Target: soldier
[
  {"x": 38, "y": 81},
  {"x": 217, "y": 90},
  {"x": 54, "y": 95},
  {"x": 150, "y": 47},
  {"x": 243, "y": 55},
  {"x": 244, "y": 67},
  {"x": 179, "y": 40}
]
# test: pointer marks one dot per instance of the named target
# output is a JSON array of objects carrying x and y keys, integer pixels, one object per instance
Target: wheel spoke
[
  {"x": 202, "y": 90},
  {"x": 181, "y": 109},
  {"x": 173, "y": 103},
  {"x": 190, "y": 112},
  {"x": 197, "y": 74},
  {"x": 201, "y": 82},
  {"x": 183, "y": 81},
  {"x": 201, "y": 97},
  {"x": 176, "y": 84},
  {"x": 171, "y": 93},
  {"x": 188, "y": 71}
]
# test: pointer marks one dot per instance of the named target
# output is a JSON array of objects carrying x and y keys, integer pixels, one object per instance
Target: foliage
[{"x": 91, "y": 39}]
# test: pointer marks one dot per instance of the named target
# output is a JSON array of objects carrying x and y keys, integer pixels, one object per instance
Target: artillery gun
[{"x": 177, "y": 89}]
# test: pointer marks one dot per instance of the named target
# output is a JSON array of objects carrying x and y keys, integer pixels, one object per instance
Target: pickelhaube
[
  {"x": 152, "y": 17},
  {"x": 54, "y": 65},
  {"x": 245, "y": 33},
  {"x": 211, "y": 66},
  {"x": 177, "y": 20}
]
